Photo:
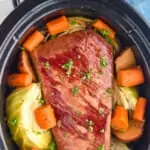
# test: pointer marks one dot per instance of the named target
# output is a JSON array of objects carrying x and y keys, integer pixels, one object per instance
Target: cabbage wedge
[{"x": 20, "y": 107}]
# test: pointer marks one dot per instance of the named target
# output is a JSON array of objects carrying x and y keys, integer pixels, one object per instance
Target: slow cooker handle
[{"x": 16, "y": 3}]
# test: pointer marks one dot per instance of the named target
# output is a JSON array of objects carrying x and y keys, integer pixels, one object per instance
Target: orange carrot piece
[
  {"x": 45, "y": 117},
  {"x": 58, "y": 25},
  {"x": 120, "y": 119},
  {"x": 24, "y": 65},
  {"x": 139, "y": 111},
  {"x": 130, "y": 77},
  {"x": 100, "y": 25},
  {"x": 19, "y": 80},
  {"x": 33, "y": 41}
]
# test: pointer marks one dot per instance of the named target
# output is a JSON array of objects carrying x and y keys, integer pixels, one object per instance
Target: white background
[{"x": 5, "y": 8}]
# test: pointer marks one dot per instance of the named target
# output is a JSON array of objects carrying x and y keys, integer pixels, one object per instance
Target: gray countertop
[{"x": 142, "y": 6}]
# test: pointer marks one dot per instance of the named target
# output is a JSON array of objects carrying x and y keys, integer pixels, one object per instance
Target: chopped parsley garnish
[
  {"x": 14, "y": 121},
  {"x": 122, "y": 130},
  {"x": 68, "y": 66},
  {"x": 42, "y": 101},
  {"x": 73, "y": 22},
  {"x": 75, "y": 90},
  {"x": 109, "y": 90},
  {"x": 52, "y": 146},
  {"x": 90, "y": 123},
  {"x": 79, "y": 113},
  {"x": 101, "y": 111},
  {"x": 87, "y": 76},
  {"x": 91, "y": 128},
  {"x": 105, "y": 32},
  {"x": 108, "y": 40},
  {"x": 22, "y": 48},
  {"x": 103, "y": 62},
  {"x": 46, "y": 65},
  {"x": 101, "y": 147},
  {"x": 53, "y": 37},
  {"x": 38, "y": 132}
]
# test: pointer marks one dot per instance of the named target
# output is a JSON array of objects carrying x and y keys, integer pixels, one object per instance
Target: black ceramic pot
[{"x": 32, "y": 14}]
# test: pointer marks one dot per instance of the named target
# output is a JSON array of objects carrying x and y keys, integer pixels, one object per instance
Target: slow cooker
[{"x": 32, "y": 14}]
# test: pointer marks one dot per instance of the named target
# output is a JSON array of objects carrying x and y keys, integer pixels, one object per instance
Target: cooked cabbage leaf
[
  {"x": 118, "y": 145},
  {"x": 76, "y": 24},
  {"x": 126, "y": 97},
  {"x": 20, "y": 107}
]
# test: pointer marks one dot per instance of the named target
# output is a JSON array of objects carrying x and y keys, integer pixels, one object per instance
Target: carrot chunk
[
  {"x": 120, "y": 119},
  {"x": 58, "y": 25},
  {"x": 45, "y": 117},
  {"x": 100, "y": 25},
  {"x": 19, "y": 80},
  {"x": 33, "y": 41},
  {"x": 139, "y": 111},
  {"x": 130, "y": 77}
]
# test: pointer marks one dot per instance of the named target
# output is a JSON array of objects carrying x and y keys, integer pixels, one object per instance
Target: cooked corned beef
[{"x": 76, "y": 72}]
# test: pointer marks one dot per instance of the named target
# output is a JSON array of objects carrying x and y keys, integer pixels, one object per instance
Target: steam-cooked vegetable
[
  {"x": 33, "y": 41},
  {"x": 126, "y": 97},
  {"x": 58, "y": 25},
  {"x": 100, "y": 25},
  {"x": 24, "y": 65},
  {"x": 134, "y": 131},
  {"x": 119, "y": 98},
  {"x": 119, "y": 121},
  {"x": 77, "y": 24},
  {"x": 131, "y": 95},
  {"x": 45, "y": 117},
  {"x": 20, "y": 108},
  {"x": 118, "y": 145},
  {"x": 19, "y": 80},
  {"x": 140, "y": 109},
  {"x": 130, "y": 77},
  {"x": 125, "y": 60}
]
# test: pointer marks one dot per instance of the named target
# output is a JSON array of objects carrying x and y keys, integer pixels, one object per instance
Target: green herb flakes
[
  {"x": 103, "y": 62},
  {"x": 108, "y": 40},
  {"x": 22, "y": 48},
  {"x": 42, "y": 101},
  {"x": 87, "y": 76},
  {"x": 38, "y": 132},
  {"x": 73, "y": 22},
  {"x": 105, "y": 32},
  {"x": 109, "y": 91},
  {"x": 91, "y": 128},
  {"x": 75, "y": 90},
  {"x": 79, "y": 113},
  {"x": 68, "y": 66},
  {"x": 14, "y": 121},
  {"x": 46, "y": 65},
  {"x": 52, "y": 146},
  {"x": 90, "y": 123},
  {"x": 53, "y": 37},
  {"x": 101, "y": 147},
  {"x": 101, "y": 111}
]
